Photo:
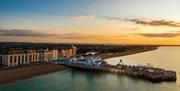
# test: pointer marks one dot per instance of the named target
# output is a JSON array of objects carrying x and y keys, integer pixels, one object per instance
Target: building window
[
  {"x": 11, "y": 58},
  {"x": 30, "y": 58},
  {"x": 0, "y": 60},
  {"x": 18, "y": 61},
  {"x": 19, "y": 58},
  {"x": 36, "y": 57},
  {"x": 14, "y": 59},
  {"x": 33, "y": 56},
  {"x": 22, "y": 58},
  {"x": 26, "y": 58}
]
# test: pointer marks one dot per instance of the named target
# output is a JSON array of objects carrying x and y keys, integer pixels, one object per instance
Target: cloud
[
  {"x": 84, "y": 17},
  {"x": 145, "y": 21},
  {"x": 27, "y": 33},
  {"x": 72, "y": 36},
  {"x": 113, "y": 18},
  {"x": 155, "y": 22},
  {"x": 167, "y": 35},
  {"x": 31, "y": 33}
]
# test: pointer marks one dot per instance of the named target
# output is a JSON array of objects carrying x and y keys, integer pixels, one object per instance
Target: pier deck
[{"x": 158, "y": 75}]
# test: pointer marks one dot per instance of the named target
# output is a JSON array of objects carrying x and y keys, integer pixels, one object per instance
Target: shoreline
[
  {"x": 112, "y": 55},
  {"x": 22, "y": 73},
  {"x": 17, "y": 74}
]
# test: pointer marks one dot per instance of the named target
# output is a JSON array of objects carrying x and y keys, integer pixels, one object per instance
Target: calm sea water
[{"x": 72, "y": 80}]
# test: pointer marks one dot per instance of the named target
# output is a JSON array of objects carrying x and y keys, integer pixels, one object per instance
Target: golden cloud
[
  {"x": 84, "y": 17},
  {"x": 156, "y": 22},
  {"x": 145, "y": 21},
  {"x": 167, "y": 35}
]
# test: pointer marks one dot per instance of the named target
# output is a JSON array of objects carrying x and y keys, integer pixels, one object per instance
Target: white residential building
[
  {"x": 9, "y": 60},
  {"x": 19, "y": 57}
]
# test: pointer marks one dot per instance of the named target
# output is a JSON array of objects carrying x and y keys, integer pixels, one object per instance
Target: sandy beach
[{"x": 15, "y": 74}]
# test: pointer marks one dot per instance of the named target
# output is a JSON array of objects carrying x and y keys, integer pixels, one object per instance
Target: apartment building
[{"x": 22, "y": 57}]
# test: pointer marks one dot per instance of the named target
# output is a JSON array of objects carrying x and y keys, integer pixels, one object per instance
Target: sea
[{"x": 167, "y": 57}]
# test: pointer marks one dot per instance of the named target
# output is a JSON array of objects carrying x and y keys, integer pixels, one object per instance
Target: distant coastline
[
  {"x": 21, "y": 73},
  {"x": 118, "y": 54}
]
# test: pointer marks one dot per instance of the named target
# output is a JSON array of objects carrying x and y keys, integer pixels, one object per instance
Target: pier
[{"x": 141, "y": 72}]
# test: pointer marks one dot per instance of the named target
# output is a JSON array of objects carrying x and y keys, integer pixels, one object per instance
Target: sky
[{"x": 91, "y": 21}]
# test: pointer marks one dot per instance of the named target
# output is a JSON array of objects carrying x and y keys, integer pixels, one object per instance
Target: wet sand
[{"x": 16, "y": 74}]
